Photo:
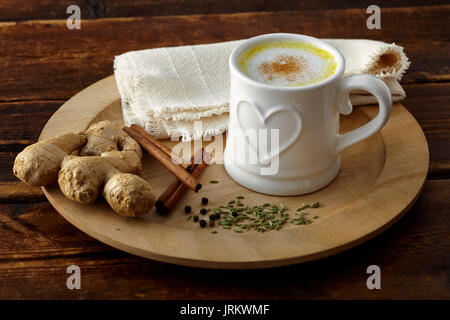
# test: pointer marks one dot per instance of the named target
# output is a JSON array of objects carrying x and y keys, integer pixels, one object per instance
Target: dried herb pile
[{"x": 241, "y": 218}]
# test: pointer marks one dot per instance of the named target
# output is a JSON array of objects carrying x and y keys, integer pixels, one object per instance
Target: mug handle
[{"x": 376, "y": 87}]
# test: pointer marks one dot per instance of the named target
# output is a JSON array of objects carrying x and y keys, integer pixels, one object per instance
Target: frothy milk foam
[{"x": 287, "y": 63}]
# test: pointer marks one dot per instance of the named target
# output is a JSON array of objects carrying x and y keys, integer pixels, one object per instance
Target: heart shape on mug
[{"x": 264, "y": 117}]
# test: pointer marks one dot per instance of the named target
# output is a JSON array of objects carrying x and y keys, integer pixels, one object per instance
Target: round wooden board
[{"x": 379, "y": 181}]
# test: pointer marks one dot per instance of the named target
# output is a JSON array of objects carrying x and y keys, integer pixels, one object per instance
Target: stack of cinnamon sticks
[{"x": 186, "y": 173}]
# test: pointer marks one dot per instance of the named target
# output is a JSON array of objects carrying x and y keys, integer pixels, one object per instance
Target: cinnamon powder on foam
[
  {"x": 283, "y": 66},
  {"x": 288, "y": 67}
]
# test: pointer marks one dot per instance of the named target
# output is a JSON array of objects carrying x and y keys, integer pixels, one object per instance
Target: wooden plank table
[{"x": 42, "y": 64}]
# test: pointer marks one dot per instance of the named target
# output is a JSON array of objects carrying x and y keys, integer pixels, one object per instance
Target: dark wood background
[{"x": 42, "y": 64}]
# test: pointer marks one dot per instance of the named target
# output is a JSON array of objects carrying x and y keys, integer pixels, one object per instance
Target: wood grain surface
[
  {"x": 17, "y": 10},
  {"x": 43, "y": 64}
]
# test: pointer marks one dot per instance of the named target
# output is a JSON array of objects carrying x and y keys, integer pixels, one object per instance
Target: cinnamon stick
[
  {"x": 174, "y": 185},
  {"x": 179, "y": 192},
  {"x": 187, "y": 179},
  {"x": 160, "y": 145}
]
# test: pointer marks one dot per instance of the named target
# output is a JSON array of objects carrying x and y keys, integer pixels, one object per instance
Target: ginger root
[
  {"x": 38, "y": 164},
  {"x": 103, "y": 156}
]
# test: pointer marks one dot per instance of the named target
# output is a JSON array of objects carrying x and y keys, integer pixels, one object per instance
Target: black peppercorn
[
  {"x": 204, "y": 200},
  {"x": 217, "y": 215},
  {"x": 196, "y": 218},
  {"x": 211, "y": 223},
  {"x": 234, "y": 214},
  {"x": 187, "y": 209},
  {"x": 203, "y": 211},
  {"x": 202, "y": 223},
  {"x": 212, "y": 217}
]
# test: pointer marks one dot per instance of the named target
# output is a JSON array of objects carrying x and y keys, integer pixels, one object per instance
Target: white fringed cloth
[{"x": 165, "y": 90}]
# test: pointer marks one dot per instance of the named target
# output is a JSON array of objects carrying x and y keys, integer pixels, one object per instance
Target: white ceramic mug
[{"x": 306, "y": 119}]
